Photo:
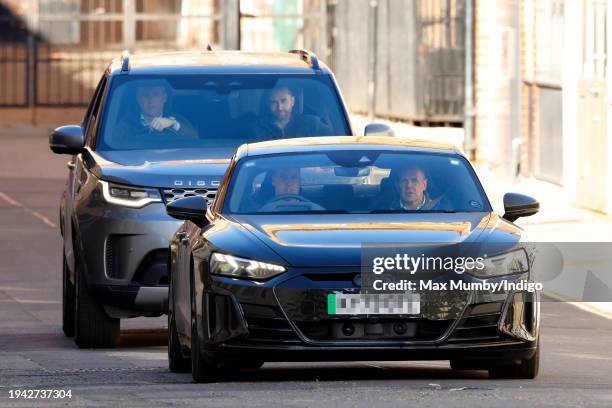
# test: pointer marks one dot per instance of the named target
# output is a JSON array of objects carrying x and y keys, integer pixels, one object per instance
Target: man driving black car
[
  {"x": 286, "y": 183},
  {"x": 281, "y": 120}
]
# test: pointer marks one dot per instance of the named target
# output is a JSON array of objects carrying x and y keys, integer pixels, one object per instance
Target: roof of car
[
  {"x": 311, "y": 144},
  {"x": 217, "y": 61}
]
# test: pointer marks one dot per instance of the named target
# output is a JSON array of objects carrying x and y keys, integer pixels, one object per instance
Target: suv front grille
[{"x": 171, "y": 194}]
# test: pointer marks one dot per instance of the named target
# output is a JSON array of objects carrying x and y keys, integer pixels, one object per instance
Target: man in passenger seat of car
[
  {"x": 151, "y": 100},
  {"x": 280, "y": 120},
  {"x": 411, "y": 188}
]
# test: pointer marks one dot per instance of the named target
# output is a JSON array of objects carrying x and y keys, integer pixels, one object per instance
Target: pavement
[{"x": 34, "y": 353}]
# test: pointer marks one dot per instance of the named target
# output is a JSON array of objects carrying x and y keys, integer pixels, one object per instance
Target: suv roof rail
[
  {"x": 125, "y": 64},
  {"x": 209, "y": 47},
  {"x": 308, "y": 56}
]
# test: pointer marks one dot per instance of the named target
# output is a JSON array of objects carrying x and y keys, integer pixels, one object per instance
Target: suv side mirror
[
  {"x": 67, "y": 140},
  {"x": 189, "y": 209},
  {"x": 519, "y": 205},
  {"x": 378, "y": 129}
]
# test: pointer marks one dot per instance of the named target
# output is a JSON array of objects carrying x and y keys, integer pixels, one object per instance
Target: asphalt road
[{"x": 34, "y": 354}]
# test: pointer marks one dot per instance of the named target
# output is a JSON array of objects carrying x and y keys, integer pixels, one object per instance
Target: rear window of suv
[{"x": 218, "y": 110}]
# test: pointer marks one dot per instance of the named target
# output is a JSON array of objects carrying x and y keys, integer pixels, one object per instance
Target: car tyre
[
  {"x": 202, "y": 369},
  {"x": 203, "y": 365},
  {"x": 93, "y": 327},
  {"x": 530, "y": 368},
  {"x": 176, "y": 361},
  {"x": 527, "y": 370},
  {"x": 68, "y": 301}
]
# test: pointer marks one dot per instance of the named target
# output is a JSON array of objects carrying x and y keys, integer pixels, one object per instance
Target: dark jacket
[
  {"x": 132, "y": 127},
  {"x": 300, "y": 125}
]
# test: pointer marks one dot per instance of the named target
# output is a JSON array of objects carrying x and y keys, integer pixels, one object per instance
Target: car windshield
[
  {"x": 196, "y": 111},
  {"x": 354, "y": 181}
]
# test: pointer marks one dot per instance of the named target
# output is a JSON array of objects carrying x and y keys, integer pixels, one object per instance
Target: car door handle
[{"x": 71, "y": 165}]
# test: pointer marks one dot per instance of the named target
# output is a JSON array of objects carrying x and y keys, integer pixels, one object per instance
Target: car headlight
[
  {"x": 128, "y": 196},
  {"x": 227, "y": 265},
  {"x": 509, "y": 263}
]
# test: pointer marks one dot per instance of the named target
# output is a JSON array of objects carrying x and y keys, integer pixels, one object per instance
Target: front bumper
[
  {"x": 285, "y": 319},
  {"x": 124, "y": 254}
]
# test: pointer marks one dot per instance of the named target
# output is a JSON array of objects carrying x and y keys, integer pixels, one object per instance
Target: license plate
[{"x": 381, "y": 304}]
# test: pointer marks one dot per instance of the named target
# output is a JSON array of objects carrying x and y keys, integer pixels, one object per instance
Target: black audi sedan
[{"x": 285, "y": 265}]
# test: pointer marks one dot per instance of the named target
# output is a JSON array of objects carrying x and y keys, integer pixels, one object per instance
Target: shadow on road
[
  {"x": 143, "y": 338},
  {"x": 361, "y": 372}
]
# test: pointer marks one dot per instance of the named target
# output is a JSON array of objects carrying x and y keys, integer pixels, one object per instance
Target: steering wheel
[{"x": 288, "y": 200}]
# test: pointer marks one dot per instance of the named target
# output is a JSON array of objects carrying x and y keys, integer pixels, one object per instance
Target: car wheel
[
  {"x": 203, "y": 368},
  {"x": 528, "y": 369},
  {"x": 68, "y": 304},
  {"x": 93, "y": 327},
  {"x": 176, "y": 361}
]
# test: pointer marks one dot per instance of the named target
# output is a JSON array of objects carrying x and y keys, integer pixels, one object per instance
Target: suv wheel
[
  {"x": 93, "y": 327},
  {"x": 68, "y": 304}
]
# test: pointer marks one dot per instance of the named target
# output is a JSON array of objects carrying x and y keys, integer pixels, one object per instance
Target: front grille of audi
[{"x": 172, "y": 194}]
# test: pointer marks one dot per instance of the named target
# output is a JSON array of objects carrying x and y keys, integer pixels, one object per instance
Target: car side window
[{"x": 93, "y": 110}]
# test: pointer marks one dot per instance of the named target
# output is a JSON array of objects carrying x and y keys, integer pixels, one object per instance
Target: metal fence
[
  {"x": 68, "y": 76},
  {"x": 409, "y": 53},
  {"x": 56, "y": 55},
  {"x": 14, "y": 62},
  {"x": 419, "y": 57},
  {"x": 282, "y": 25},
  {"x": 87, "y": 37}
]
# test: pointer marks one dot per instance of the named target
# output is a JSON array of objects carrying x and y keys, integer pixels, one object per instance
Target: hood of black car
[
  {"x": 184, "y": 168},
  {"x": 336, "y": 240}
]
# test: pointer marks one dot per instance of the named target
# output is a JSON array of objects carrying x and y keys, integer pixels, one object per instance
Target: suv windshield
[
  {"x": 195, "y": 111},
  {"x": 355, "y": 181}
]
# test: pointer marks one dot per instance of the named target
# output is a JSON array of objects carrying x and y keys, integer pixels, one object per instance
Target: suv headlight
[
  {"x": 509, "y": 263},
  {"x": 128, "y": 196},
  {"x": 227, "y": 265}
]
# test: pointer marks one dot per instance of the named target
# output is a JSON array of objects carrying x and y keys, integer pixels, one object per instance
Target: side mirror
[
  {"x": 519, "y": 205},
  {"x": 378, "y": 129},
  {"x": 189, "y": 209},
  {"x": 67, "y": 140}
]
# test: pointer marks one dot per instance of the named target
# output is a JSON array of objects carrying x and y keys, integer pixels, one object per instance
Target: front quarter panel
[{"x": 226, "y": 236}]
